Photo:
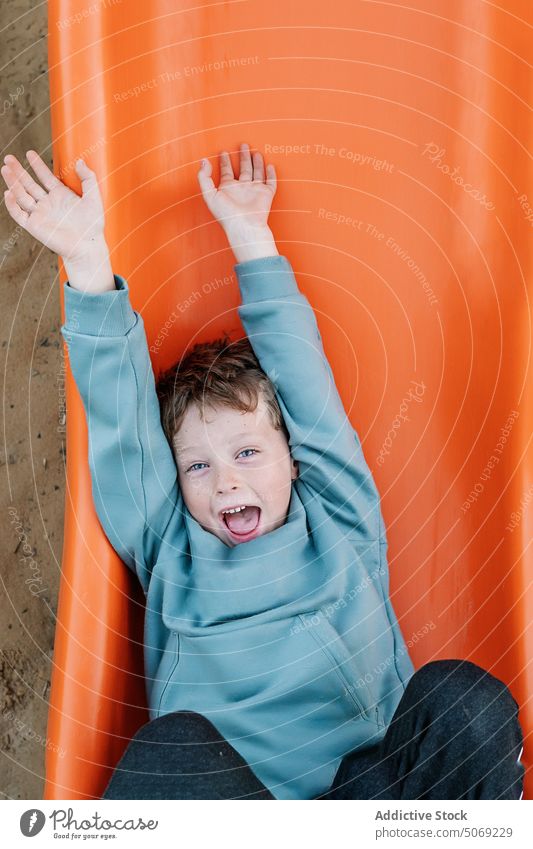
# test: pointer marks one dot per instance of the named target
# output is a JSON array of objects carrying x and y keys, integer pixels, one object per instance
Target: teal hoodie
[{"x": 287, "y": 643}]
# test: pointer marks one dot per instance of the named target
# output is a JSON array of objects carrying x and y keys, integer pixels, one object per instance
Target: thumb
[
  {"x": 205, "y": 180},
  {"x": 87, "y": 177}
]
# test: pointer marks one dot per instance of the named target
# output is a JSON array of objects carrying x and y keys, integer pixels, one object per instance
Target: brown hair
[{"x": 216, "y": 373}]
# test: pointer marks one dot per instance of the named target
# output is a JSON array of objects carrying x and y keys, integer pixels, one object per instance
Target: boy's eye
[
  {"x": 195, "y": 464},
  {"x": 204, "y": 464}
]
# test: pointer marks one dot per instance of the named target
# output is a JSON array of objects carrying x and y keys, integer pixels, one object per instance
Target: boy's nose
[
  {"x": 227, "y": 480},
  {"x": 221, "y": 488}
]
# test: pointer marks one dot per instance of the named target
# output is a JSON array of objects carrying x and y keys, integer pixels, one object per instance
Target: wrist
[
  {"x": 251, "y": 242},
  {"x": 89, "y": 269},
  {"x": 86, "y": 253}
]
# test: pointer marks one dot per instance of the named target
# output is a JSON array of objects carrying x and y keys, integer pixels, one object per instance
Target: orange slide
[{"x": 399, "y": 133}]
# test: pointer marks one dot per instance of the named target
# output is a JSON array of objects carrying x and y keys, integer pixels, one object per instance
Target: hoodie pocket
[
  {"x": 167, "y": 668},
  {"x": 318, "y": 626}
]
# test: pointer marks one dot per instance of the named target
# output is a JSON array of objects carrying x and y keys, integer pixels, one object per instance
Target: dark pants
[{"x": 454, "y": 735}]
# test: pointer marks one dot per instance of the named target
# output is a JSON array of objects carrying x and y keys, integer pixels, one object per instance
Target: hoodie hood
[{"x": 249, "y": 581}]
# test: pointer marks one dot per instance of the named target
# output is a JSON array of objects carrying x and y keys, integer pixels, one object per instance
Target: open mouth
[{"x": 243, "y": 523}]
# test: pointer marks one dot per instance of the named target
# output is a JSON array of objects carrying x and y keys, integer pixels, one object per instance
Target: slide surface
[{"x": 401, "y": 136}]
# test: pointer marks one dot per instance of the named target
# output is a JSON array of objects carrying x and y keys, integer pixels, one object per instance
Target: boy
[{"x": 244, "y": 504}]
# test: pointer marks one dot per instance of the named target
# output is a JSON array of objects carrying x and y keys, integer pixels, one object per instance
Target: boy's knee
[
  {"x": 435, "y": 678},
  {"x": 179, "y": 726},
  {"x": 462, "y": 683}
]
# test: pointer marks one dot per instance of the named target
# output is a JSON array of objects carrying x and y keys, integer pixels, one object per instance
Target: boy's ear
[{"x": 295, "y": 470}]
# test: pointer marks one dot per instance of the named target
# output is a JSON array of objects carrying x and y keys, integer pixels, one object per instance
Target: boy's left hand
[{"x": 242, "y": 204}]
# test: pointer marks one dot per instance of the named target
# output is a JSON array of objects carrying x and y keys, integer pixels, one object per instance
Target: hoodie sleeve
[
  {"x": 133, "y": 472},
  {"x": 282, "y": 329}
]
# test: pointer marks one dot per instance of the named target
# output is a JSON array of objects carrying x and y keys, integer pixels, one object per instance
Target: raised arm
[
  {"x": 133, "y": 473},
  {"x": 283, "y": 332}
]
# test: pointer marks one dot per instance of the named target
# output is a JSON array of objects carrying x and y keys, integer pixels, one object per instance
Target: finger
[
  {"x": 42, "y": 170},
  {"x": 246, "y": 174},
  {"x": 14, "y": 209},
  {"x": 24, "y": 200},
  {"x": 226, "y": 168},
  {"x": 271, "y": 179},
  {"x": 206, "y": 183},
  {"x": 32, "y": 188},
  {"x": 259, "y": 171}
]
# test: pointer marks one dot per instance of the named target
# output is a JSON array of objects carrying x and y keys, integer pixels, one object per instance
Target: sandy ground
[{"x": 33, "y": 439}]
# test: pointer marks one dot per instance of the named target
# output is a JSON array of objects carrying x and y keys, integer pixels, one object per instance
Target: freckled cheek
[
  {"x": 194, "y": 491},
  {"x": 274, "y": 489},
  {"x": 198, "y": 486}
]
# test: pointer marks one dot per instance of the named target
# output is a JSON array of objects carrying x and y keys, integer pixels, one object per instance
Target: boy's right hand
[{"x": 66, "y": 223}]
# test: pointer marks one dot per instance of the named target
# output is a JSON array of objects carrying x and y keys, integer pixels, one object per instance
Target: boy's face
[{"x": 233, "y": 459}]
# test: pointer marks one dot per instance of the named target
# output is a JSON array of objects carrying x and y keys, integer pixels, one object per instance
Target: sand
[{"x": 33, "y": 439}]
